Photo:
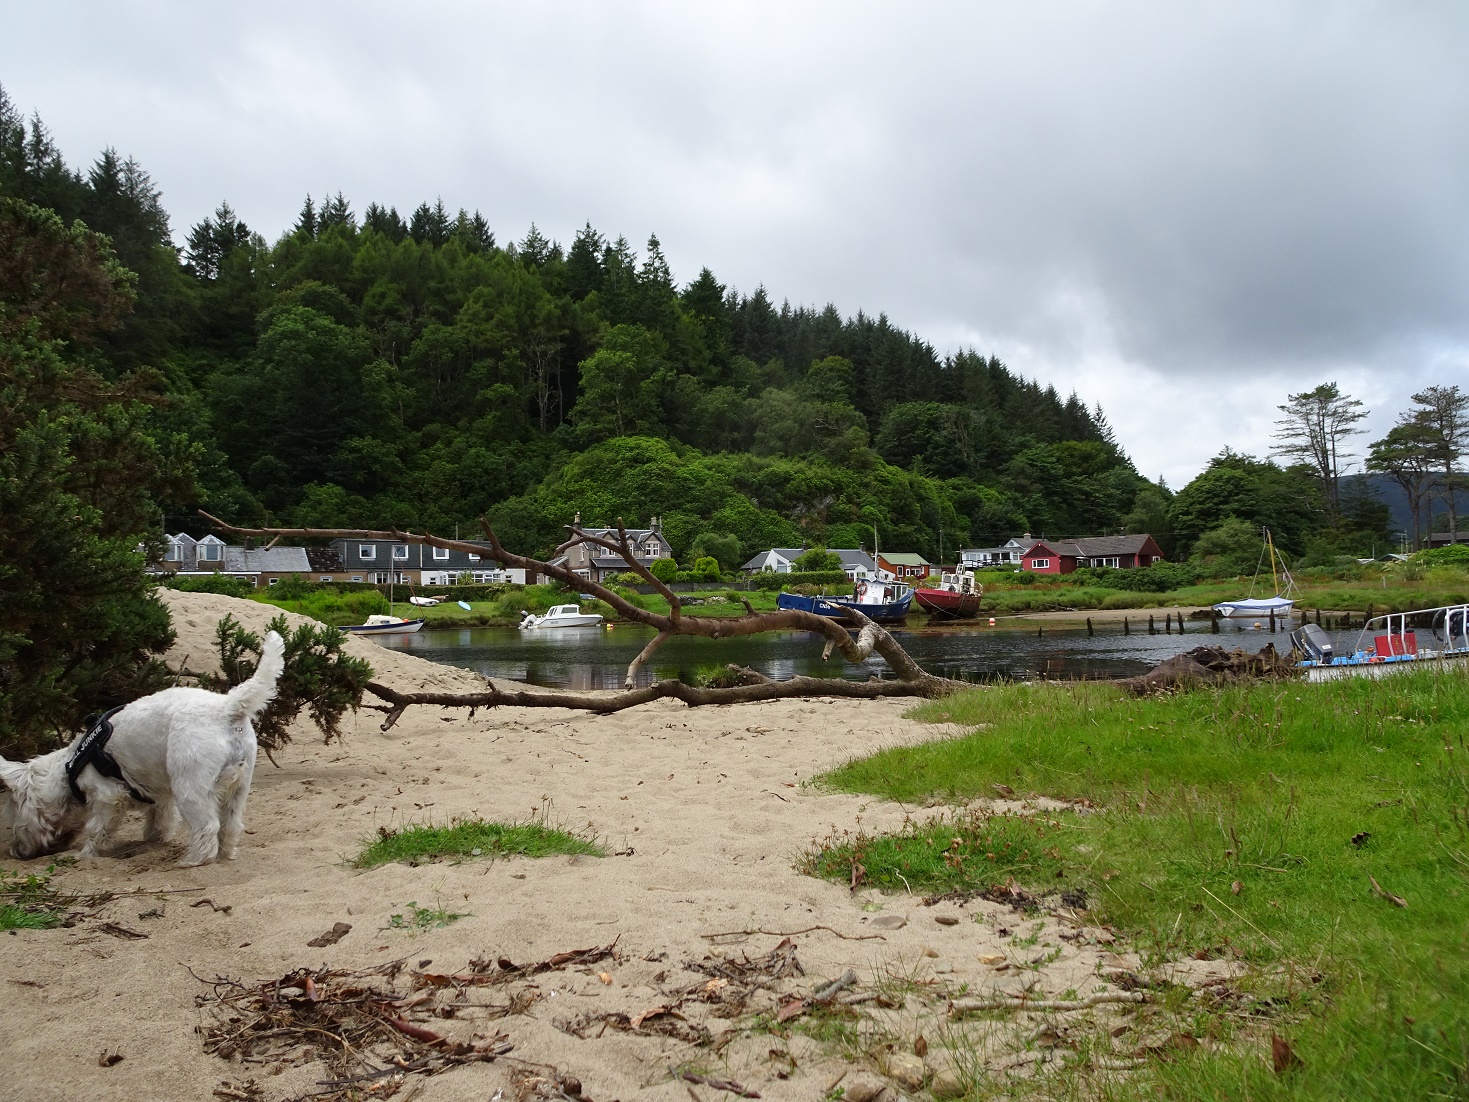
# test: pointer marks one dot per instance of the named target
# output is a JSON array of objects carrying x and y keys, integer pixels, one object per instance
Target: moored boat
[
  {"x": 956, "y": 597},
  {"x": 561, "y": 616},
  {"x": 1388, "y": 644},
  {"x": 1279, "y": 605},
  {"x": 382, "y": 624},
  {"x": 884, "y": 602}
]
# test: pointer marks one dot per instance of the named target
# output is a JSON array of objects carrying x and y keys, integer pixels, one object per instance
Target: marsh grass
[
  {"x": 962, "y": 851},
  {"x": 469, "y": 838},
  {"x": 1297, "y": 793}
]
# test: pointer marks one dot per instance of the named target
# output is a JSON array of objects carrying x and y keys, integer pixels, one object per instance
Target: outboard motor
[{"x": 1314, "y": 643}]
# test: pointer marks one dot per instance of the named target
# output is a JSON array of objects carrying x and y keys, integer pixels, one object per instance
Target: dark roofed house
[
  {"x": 185, "y": 556},
  {"x": 598, "y": 564},
  {"x": 381, "y": 562},
  {"x": 1064, "y": 556}
]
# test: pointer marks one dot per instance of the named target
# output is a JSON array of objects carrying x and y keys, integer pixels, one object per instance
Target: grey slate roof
[{"x": 1095, "y": 547}]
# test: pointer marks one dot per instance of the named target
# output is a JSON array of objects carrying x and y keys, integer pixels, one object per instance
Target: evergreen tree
[
  {"x": 306, "y": 224},
  {"x": 384, "y": 221}
]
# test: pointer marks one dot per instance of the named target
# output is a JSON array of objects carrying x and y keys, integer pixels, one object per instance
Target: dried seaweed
[{"x": 356, "y": 1023}]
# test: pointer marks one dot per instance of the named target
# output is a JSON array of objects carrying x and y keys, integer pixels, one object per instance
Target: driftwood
[
  {"x": 855, "y": 640},
  {"x": 1212, "y": 666}
]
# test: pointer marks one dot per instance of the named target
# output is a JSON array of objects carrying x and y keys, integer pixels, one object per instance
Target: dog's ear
[{"x": 13, "y": 774}]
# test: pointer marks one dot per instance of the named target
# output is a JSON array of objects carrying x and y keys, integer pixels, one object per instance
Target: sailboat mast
[{"x": 1274, "y": 574}]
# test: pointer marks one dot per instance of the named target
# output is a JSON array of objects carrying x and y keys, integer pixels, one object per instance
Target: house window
[
  {"x": 366, "y": 551},
  {"x": 326, "y": 577},
  {"x": 174, "y": 553},
  {"x": 441, "y": 552},
  {"x": 1040, "y": 564},
  {"x": 401, "y": 552},
  {"x": 210, "y": 551},
  {"x": 473, "y": 557},
  {"x": 273, "y": 581},
  {"x": 356, "y": 577}
]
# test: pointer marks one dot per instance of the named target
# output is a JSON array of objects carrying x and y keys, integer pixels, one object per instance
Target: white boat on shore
[
  {"x": 561, "y": 616},
  {"x": 382, "y": 624}
]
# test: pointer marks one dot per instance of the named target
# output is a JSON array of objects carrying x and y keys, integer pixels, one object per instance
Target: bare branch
[
  {"x": 643, "y": 655},
  {"x": 911, "y": 680},
  {"x": 694, "y": 696}
]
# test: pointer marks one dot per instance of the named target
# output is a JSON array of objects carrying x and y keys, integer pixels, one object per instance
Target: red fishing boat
[{"x": 956, "y": 598}]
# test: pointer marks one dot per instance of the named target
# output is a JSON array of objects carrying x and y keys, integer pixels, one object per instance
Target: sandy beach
[{"x": 703, "y": 813}]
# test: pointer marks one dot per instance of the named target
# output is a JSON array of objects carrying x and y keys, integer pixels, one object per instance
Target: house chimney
[
  {"x": 576, "y": 520},
  {"x": 658, "y": 525},
  {"x": 249, "y": 543}
]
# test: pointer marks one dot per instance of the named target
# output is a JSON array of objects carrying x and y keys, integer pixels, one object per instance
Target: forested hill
[{"x": 370, "y": 370}]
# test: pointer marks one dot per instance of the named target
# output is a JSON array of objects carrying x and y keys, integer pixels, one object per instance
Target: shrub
[
  {"x": 1456, "y": 554},
  {"x": 817, "y": 560},
  {"x": 665, "y": 570},
  {"x": 706, "y": 569},
  {"x": 222, "y": 584},
  {"x": 768, "y": 580},
  {"x": 318, "y": 677}
]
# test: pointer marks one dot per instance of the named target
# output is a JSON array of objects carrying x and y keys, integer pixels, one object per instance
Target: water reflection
[{"x": 597, "y": 658}]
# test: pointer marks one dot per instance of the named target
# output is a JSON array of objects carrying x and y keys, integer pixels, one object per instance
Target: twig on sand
[
  {"x": 793, "y": 933},
  {"x": 1020, "y": 1002},
  {"x": 827, "y": 991}
]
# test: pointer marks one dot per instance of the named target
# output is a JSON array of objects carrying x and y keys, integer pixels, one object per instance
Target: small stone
[
  {"x": 946, "y": 920},
  {"x": 905, "y": 1069},
  {"x": 890, "y": 922},
  {"x": 930, "y": 951},
  {"x": 862, "y": 1086}
]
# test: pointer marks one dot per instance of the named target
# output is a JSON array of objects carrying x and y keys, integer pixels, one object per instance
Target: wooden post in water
[
  {"x": 1167, "y": 623},
  {"x": 1126, "y": 627},
  {"x": 1039, "y": 632},
  {"x": 1213, "y": 622},
  {"x": 1089, "y": 625},
  {"x": 1152, "y": 628},
  {"x": 1272, "y": 621},
  {"x": 1318, "y": 617}
]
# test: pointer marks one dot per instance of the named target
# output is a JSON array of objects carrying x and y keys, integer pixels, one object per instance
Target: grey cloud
[{"x": 1272, "y": 193}]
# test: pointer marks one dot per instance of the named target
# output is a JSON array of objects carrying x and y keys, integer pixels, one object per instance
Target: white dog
[{"x": 189, "y": 749}]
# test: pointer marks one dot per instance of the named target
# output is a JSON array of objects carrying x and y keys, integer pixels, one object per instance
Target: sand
[{"x": 706, "y": 810}]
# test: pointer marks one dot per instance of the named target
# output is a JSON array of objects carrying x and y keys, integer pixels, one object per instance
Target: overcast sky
[{"x": 1182, "y": 211}]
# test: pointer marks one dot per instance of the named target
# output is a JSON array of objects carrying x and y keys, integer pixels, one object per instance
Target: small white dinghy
[
  {"x": 561, "y": 616},
  {"x": 381, "y": 624}
]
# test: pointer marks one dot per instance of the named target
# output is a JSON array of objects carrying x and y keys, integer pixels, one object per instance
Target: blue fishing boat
[{"x": 884, "y": 602}]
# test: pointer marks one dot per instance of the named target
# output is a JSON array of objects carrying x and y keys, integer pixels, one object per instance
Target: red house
[{"x": 1064, "y": 556}]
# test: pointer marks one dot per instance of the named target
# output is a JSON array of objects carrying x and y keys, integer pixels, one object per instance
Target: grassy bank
[
  {"x": 1380, "y": 590},
  {"x": 1252, "y": 821}
]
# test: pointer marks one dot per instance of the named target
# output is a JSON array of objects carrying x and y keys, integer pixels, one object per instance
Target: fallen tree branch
[
  {"x": 910, "y": 679},
  {"x": 1020, "y": 1002},
  {"x": 604, "y": 703}
]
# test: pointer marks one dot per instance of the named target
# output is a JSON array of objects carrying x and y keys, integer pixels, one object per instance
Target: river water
[{"x": 597, "y": 658}]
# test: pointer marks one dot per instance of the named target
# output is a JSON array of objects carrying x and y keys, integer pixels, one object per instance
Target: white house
[
  {"x": 780, "y": 560},
  {"x": 1008, "y": 554}
]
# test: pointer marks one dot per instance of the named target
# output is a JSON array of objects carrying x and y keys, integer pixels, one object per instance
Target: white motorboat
[
  {"x": 562, "y": 616},
  {"x": 382, "y": 624}
]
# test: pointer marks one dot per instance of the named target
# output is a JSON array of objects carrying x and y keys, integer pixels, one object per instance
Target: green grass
[
  {"x": 29, "y": 902},
  {"x": 472, "y": 838},
  {"x": 418, "y": 919},
  {"x": 1267, "y": 786},
  {"x": 959, "y": 852}
]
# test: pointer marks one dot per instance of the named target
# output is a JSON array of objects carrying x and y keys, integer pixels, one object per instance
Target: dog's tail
[{"x": 247, "y": 700}]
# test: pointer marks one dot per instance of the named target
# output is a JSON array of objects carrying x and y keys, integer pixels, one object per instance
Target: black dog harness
[{"x": 92, "y": 750}]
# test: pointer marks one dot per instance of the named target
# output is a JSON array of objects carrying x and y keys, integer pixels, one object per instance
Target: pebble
[
  {"x": 946, "y": 920},
  {"x": 861, "y": 1086},
  {"x": 905, "y": 1069},
  {"x": 890, "y": 922}
]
